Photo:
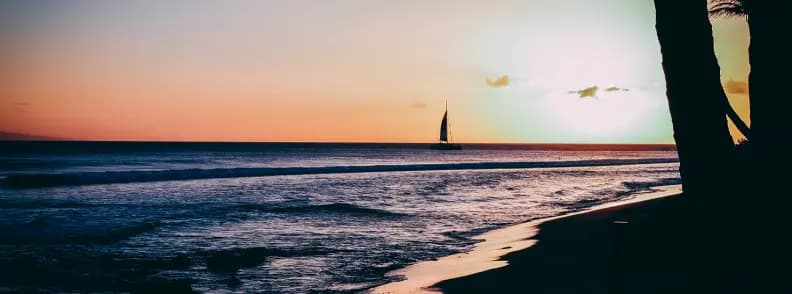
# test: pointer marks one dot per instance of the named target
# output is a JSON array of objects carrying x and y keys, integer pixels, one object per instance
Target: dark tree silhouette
[
  {"x": 771, "y": 125},
  {"x": 695, "y": 95},
  {"x": 736, "y": 119},
  {"x": 731, "y": 8},
  {"x": 770, "y": 65},
  {"x": 728, "y": 8}
]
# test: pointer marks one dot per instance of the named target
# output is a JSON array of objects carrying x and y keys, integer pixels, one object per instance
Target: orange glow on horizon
[{"x": 248, "y": 72}]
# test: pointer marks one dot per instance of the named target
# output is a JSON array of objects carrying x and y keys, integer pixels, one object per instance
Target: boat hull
[{"x": 446, "y": 146}]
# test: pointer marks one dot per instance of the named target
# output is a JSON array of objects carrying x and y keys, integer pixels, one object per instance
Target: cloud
[
  {"x": 592, "y": 91},
  {"x": 614, "y": 89},
  {"x": 501, "y": 82},
  {"x": 736, "y": 87},
  {"x": 418, "y": 105},
  {"x": 586, "y": 92}
]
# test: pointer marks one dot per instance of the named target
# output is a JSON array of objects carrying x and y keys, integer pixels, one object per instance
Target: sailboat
[{"x": 445, "y": 143}]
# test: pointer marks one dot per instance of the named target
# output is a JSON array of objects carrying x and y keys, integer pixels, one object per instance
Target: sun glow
[
  {"x": 358, "y": 71},
  {"x": 608, "y": 116}
]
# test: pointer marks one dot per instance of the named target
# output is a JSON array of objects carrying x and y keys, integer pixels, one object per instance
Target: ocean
[{"x": 281, "y": 217}]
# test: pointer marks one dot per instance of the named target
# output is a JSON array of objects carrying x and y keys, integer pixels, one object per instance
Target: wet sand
[{"x": 575, "y": 253}]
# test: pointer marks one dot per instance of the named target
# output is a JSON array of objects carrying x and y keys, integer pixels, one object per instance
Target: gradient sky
[{"x": 332, "y": 70}]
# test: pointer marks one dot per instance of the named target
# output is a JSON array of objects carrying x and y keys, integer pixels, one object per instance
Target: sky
[{"x": 523, "y": 71}]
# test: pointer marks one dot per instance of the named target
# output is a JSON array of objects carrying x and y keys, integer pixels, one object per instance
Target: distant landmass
[{"x": 9, "y": 136}]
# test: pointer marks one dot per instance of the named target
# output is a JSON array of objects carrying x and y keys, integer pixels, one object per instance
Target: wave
[
  {"x": 647, "y": 185},
  {"x": 605, "y": 195},
  {"x": 341, "y": 208},
  {"x": 115, "y": 177},
  {"x": 44, "y": 230},
  {"x": 40, "y": 204},
  {"x": 231, "y": 260}
]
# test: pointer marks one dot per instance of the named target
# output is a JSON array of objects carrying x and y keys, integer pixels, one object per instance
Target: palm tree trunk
[
  {"x": 695, "y": 95},
  {"x": 771, "y": 126},
  {"x": 705, "y": 147},
  {"x": 769, "y": 90}
]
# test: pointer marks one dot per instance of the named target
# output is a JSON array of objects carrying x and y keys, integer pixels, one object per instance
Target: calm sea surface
[{"x": 198, "y": 214}]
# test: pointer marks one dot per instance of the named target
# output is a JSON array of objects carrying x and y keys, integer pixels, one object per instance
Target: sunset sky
[{"x": 357, "y": 71}]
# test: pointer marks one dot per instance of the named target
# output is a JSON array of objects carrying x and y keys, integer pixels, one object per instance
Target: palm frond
[{"x": 726, "y": 8}]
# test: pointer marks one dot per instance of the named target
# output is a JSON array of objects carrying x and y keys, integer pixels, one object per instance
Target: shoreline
[{"x": 488, "y": 255}]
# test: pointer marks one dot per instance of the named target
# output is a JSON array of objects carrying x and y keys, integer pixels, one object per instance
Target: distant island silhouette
[{"x": 9, "y": 136}]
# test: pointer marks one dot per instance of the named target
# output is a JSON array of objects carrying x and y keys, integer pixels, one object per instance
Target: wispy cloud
[
  {"x": 614, "y": 89},
  {"x": 500, "y": 82},
  {"x": 735, "y": 87},
  {"x": 593, "y": 90},
  {"x": 586, "y": 92},
  {"x": 418, "y": 105}
]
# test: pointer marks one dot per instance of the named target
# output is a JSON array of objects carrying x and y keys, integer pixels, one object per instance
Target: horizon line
[{"x": 330, "y": 142}]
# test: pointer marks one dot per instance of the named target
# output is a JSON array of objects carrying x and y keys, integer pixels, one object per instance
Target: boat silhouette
[{"x": 445, "y": 140}]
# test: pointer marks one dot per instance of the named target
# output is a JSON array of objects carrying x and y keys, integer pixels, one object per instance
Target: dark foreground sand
[
  {"x": 657, "y": 245},
  {"x": 628, "y": 249}
]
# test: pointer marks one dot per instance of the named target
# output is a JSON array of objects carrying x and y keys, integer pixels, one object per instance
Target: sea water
[{"x": 152, "y": 220}]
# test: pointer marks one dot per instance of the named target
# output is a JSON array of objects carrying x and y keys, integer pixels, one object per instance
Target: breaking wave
[{"x": 91, "y": 178}]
